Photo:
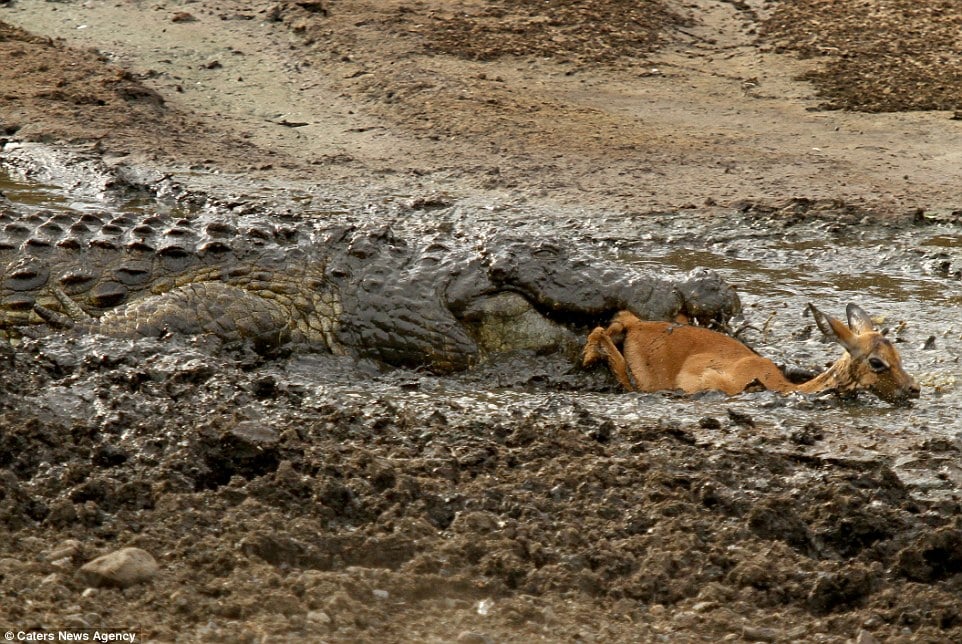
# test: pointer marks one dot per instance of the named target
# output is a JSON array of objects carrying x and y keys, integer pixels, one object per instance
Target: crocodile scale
[{"x": 440, "y": 300}]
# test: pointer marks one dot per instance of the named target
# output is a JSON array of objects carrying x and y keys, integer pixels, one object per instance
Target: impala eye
[{"x": 877, "y": 364}]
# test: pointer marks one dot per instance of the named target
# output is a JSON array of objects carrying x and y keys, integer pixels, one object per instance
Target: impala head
[{"x": 872, "y": 364}]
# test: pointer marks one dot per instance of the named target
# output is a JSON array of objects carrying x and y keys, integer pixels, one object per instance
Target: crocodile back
[{"x": 103, "y": 261}]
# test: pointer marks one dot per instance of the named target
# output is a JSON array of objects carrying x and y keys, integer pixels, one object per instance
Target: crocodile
[{"x": 442, "y": 300}]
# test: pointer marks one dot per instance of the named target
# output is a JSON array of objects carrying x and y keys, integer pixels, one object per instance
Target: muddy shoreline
[{"x": 299, "y": 497}]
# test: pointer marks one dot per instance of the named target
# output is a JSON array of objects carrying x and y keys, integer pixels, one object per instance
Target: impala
[{"x": 658, "y": 356}]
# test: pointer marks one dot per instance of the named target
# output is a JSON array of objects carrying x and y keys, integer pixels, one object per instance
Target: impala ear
[
  {"x": 858, "y": 320},
  {"x": 835, "y": 330}
]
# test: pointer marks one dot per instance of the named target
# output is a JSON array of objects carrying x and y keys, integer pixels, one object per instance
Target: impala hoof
[{"x": 594, "y": 348}]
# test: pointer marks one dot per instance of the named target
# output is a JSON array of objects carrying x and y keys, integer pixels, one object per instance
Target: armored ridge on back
[{"x": 442, "y": 302}]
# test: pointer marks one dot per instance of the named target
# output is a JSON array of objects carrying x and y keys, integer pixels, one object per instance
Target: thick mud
[
  {"x": 306, "y": 495},
  {"x": 310, "y": 497}
]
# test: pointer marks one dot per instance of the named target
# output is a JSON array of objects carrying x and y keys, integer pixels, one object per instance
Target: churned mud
[{"x": 303, "y": 497}]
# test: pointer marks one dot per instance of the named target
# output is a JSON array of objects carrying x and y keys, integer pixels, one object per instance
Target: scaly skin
[
  {"x": 441, "y": 303},
  {"x": 269, "y": 308}
]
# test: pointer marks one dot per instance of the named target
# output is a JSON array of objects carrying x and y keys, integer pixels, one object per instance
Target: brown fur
[{"x": 658, "y": 356}]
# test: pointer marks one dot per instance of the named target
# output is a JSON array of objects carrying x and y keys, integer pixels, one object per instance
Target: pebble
[
  {"x": 483, "y": 607},
  {"x": 473, "y": 637},
  {"x": 474, "y": 522},
  {"x": 754, "y": 634},
  {"x": 685, "y": 619},
  {"x": 120, "y": 569},
  {"x": 254, "y": 435},
  {"x": 75, "y": 620},
  {"x": 66, "y": 549},
  {"x": 52, "y": 578},
  {"x": 872, "y": 622},
  {"x": 865, "y": 637},
  {"x": 10, "y": 565},
  {"x": 318, "y": 617}
]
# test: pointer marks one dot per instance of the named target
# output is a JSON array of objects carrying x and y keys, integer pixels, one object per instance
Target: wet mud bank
[{"x": 303, "y": 494}]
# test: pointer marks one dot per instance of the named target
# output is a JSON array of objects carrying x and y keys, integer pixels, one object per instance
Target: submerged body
[
  {"x": 442, "y": 301},
  {"x": 657, "y": 356}
]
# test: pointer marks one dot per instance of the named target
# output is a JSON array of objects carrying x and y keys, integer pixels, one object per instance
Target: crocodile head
[{"x": 707, "y": 297}]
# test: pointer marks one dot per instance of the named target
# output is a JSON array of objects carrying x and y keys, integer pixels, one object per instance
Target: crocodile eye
[{"x": 877, "y": 364}]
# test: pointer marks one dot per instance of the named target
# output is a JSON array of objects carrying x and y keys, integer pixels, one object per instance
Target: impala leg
[{"x": 600, "y": 346}]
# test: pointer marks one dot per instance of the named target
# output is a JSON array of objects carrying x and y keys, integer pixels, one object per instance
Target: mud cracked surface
[{"x": 300, "y": 498}]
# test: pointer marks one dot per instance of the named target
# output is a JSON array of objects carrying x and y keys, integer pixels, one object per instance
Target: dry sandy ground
[
  {"x": 689, "y": 104},
  {"x": 352, "y": 520}
]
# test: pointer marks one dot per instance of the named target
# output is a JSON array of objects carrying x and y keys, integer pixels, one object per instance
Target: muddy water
[
  {"x": 902, "y": 273},
  {"x": 895, "y": 271},
  {"x": 778, "y": 270},
  {"x": 39, "y": 196}
]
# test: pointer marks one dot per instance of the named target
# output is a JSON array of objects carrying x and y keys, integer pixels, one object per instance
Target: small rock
[
  {"x": 380, "y": 594},
  {"x": 473, "y": 637},
  {"x": 66, "y": 549},
  {"x": 473, "y": 522},
  {"x": 61, "y": 512},
  {"x": 318, "y": 617},
  {"x": 754, "y": 634},
  {"x": 874, "y": 621},
  {"x": 75, "y": 620},
  {"x": 430, "y": 202},
  {"x": 274, "y": 13},
  {"x": 254, "y": 435},
  {"x": 10, "y": 565},
  {"x": 183, "y": 16},
  {"x": 865, "y": 637},
  {"x": 120, "y": 569},
  {"x": 484, "y": 607},
  {"x": 685, "y": 620}
]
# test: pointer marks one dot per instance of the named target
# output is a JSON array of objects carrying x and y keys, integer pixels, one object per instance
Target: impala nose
[{"x": 906, "y": 395}]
